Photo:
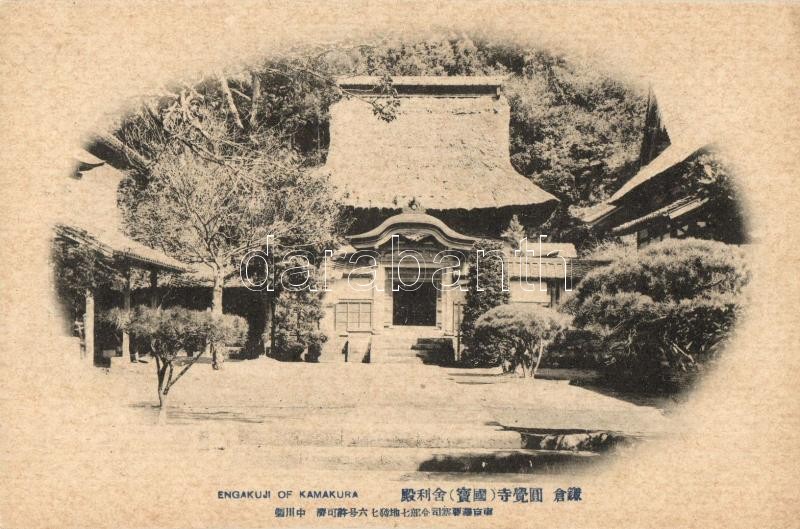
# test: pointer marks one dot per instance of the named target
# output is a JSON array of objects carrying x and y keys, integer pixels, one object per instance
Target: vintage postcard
[{"x": 399, "y": 264}]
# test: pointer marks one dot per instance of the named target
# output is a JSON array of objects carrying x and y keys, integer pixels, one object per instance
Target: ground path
[
  {"x": 264, "y": 424},
  {"x": 394, "y": 417}
]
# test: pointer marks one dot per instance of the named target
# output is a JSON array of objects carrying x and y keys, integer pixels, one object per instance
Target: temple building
[{"x": 420, "y": 189}]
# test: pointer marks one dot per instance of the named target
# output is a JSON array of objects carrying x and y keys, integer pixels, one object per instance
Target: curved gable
[{"x": 414, "y": 226}]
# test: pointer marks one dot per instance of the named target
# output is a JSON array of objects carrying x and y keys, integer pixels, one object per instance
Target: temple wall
[
  {"x": 529, "y": 293},
  {"x": 340, "y": 289}
]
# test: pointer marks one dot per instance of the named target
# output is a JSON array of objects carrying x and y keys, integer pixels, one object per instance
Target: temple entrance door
[{"x": 415, "y": 307}]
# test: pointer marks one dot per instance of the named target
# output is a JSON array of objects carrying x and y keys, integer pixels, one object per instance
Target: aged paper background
[{"x": 66, "y": 67}]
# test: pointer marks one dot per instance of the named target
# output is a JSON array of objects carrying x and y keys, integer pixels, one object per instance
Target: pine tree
[{"x": 487, "y": 288}]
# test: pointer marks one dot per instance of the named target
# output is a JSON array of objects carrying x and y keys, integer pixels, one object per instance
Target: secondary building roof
[
  {"x": 671, "y": 211},
  {"x": 670, "y": 157},
  {"x": 114, "y": 245},
  {"x": 88, "y": 213}
]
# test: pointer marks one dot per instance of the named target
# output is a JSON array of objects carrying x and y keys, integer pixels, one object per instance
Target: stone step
[
  {"x": 418, "y": 345},
  {"x": 392, "y": 348},
  {"x": 427, "y": 346},
  {"x": 436, "y": 340},
  {"x": 392, "y": 345},
  {"x": 400, "y": 360},
  {"x": 400, "y": 352}
]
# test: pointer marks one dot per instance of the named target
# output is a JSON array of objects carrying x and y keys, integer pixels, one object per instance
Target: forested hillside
[{"x": 574, "y": 130}]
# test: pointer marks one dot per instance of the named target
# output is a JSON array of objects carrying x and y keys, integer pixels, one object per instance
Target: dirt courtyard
[{"x": 272, "y": 403}]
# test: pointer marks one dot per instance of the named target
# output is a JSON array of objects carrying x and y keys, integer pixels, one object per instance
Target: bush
[
  {"x": 297, "y": 327},
  {"x": 574, "y": 349},
  {"x": 610, "y": 250},
  {"x": 168, "y": 332},
  {"x": 518, "y": 335},
  {"x": 664, "y": 312}
]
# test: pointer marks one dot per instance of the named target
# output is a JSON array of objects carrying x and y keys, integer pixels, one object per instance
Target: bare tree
[{"x": 207, "y": 199}]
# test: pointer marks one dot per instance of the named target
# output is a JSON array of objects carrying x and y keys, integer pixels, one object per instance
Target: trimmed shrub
[
  {"x": 664, "y": 312},
  {"x": 169, "y": 332},
  {"x": 574, "y": 349},
  {"x": 517, "y": 336}
]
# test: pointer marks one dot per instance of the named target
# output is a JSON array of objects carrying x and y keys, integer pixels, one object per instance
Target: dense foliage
[
  {"x": 487, "y": 288},
  {"x": 708, "y": 176},
  {"x": 663, "y": 313},
  {"x": 169, "y": 332},
  {"x": 79, "y": 269},
  {"x": 574, "y": 130},
  {"x": 517, "y": 336},
  {"x": 297, "y": 317}
]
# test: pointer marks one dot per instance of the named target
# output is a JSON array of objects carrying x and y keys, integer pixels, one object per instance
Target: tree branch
[
  {"x": 182, "y": 371},
  {"x": 229, "y": 99},
  {"x": 134, "y": 157},
  {"x": 256, "y": 98}
]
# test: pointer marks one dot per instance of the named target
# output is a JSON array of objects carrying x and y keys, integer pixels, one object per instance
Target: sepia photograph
[{"x": 294, "y": 265}]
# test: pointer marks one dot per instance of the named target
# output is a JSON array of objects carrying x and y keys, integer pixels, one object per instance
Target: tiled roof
[
  {"x": 551, "y": 268},
  {"x": 594, "y": 213},
  {"x": 670, "y": 157},
  {"x": 546, "y": 267},
  {"x": 547, "y": 249},
  {"x": 116, "y": 245},
  {"x": 671, "y": 211}
]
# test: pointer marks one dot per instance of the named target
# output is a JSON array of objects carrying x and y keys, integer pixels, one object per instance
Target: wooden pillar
[
  {"x": 272, "y": 322},
  {"x": 266, "y": 336},
  {"x": 126, "y": 304},
  {"x": 388, "y": 296},
  {"x": 153, "y": 288},
  {"x": 378, "y": 298},
  {"x": 446, "y": 299},
  {"x": 88, "y": 327}
]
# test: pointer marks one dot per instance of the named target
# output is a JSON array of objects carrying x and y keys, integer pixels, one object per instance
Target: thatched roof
[{"x": 448, "y": 148}]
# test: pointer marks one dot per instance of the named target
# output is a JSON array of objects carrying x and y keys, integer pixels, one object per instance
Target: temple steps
[{"x": 409, "y": 348}]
